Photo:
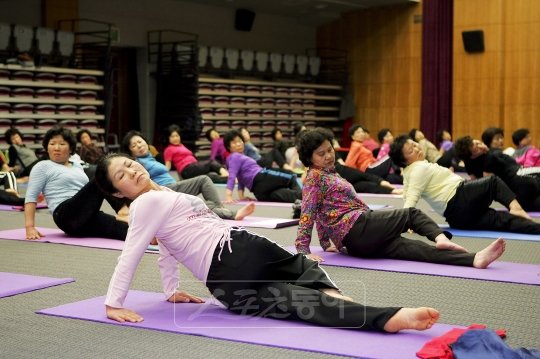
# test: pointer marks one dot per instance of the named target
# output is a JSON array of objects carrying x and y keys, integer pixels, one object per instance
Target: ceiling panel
[{"x": 308, "y": 12}]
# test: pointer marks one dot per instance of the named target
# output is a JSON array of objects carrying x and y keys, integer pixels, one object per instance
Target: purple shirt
[
  {"x": 243, "y": 168},
  {"x": 447, "y": 145},
  {"x": 218, "y": 150},
  {"x": 329, "y": 202}
]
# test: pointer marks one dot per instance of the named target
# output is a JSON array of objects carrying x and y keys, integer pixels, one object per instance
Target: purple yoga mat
[
  {"x": 14, "y": 283},
  {"x": 378, "y": 195},
  {"x": 497, "y": 271},
  {"x": 7, "y": 207},
  {"x": 374, "y": 207},
  {"x": 54, "y": 235},
  {"x": 264, "y": 222},
  {"x": 213, "y": 322}
]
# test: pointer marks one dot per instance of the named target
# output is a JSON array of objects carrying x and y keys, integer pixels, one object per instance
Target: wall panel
[
  {"x": 505, "y": 79},
  {"x": 384, "y": 53}
]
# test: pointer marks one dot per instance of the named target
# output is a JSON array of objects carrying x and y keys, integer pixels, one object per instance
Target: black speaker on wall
[
  {"x": 473, "y": 41},
  {"x": 243, "y": 20}
]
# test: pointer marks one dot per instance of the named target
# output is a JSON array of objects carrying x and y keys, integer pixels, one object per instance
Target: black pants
[
  {"x": 469, "y": 208},
  {"x": 201, "y": 168},
  {"x": 362, "y": 182},
  {"x": 259, "y": 278},
  {"x": 267, "y": 159},
  {"x": 527, "y": 190},
  {"x": 9, "y": 181},
  {"x": 80, "y": 216},
  {"x": 278, "y": 186},
  {"x": 378, "y": 235}
]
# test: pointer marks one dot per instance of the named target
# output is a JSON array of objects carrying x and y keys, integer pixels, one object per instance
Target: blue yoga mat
[{"x": 492, "y": 234}]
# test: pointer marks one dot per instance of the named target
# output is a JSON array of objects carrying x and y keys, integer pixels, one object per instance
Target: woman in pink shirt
[
  {"x": 346, "y": 224},
  {"x": 246, "y": 273},
  {"x": 185, "y": 162},
  {"x": 386, "y": 138}
]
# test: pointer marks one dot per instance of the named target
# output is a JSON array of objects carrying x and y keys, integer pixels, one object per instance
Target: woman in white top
[
  {"x": 464, "y": 204},
  {"x": 73, "y": 200},
  {"x": 237, "y": 266}
]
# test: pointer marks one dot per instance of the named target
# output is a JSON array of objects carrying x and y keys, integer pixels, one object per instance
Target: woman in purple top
[
  {"x": 217, "y": 149},
  {"x": 266, "y": 184},
  {"x": 345, "y": 223}
]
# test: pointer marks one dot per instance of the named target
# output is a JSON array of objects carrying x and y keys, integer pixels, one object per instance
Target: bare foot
[
  {"x": 336, "y": 294},
  {"x": 245, "y": 211},
  {"x": 412, "y": 318},
  {"x": 489, "y": 254},
  {"x": 448, "y": 244},
  {"x": 154, "y": 241},
  {"x": 519, "y": 212},
  {"x": 223, "y": 172},
  {"x": 515, "y": 208},
  {"x": 121, "y": 218}
]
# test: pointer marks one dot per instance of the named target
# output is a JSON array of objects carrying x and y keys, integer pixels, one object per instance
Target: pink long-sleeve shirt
[
  {"x": 179, "y": 155},
  {"x": 188, "y": 233}
]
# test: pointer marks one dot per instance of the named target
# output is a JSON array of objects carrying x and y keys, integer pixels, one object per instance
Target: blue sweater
[{"x": 158, "y": 172}]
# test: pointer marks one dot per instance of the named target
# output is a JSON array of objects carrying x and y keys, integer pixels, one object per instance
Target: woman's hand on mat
[
  {"x": 332, "y": 248},
  {"x": 33, "y": 233},
  {"x": 123, "y": 315},
  {"x": 183, "y": 297},
  {"x": 315, "y": 257}
]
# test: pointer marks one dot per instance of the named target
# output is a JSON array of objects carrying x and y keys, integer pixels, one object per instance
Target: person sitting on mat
[
  {"x": 194, "y": 186},
  {"x": 431, "y": 151},
  {"x": 266, "y": 184},
  {"x": 185, "y": 163},
  {"x": 345, "y": 223},
  {"x": 363, "y": 182},
  {"x": 89, "y": 151},
  {"x": 9, "y": 194},
  {"x": 361, "y": 158},
  {"x": 73, "y": 200},
  {"x": 21, "y": 158},
  {"x": 217, "y": 149},
  {"x": 481, "y": 161},
  {"x": 464, "y": 204},
  {"x": 267, "y": 159},
  {"x": 236, "y": 265},
  {"x": 526, "y": 154}
]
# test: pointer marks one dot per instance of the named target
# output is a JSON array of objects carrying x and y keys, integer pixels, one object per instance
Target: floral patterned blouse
[{"x": 331, "y": 203}]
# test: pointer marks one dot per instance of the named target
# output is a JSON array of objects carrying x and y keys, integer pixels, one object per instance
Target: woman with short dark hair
[
  {"x": 73, "y": 200},
  {"x": 21, "y": 158},
  {"x": 266, "y": 184},
  {"x": 481, "y": 161}
]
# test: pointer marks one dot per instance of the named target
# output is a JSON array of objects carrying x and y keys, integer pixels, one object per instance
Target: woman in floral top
[{"x": 345, "y": 223}]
